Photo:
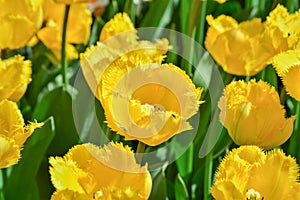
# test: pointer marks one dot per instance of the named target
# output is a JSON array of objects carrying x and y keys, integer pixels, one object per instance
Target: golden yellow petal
[
  {"x": 79, "y": 24},
  {"x": 128, "y": 193},
  {"x": 11, "y": 119},
  {"x": 112, "y": 166},
  {"x": 71, "y": 1},
  {"x": 252, "y": 114},
  {"x": 65, "y": 174},
  {"x": 234, "y": 172},
  {"x": 21, "y": 137},
  {"x": 287, "y": 66},
  {"x": 120, "y": 23},
  {"x": 19, "y": 17},
  {"x": 282, "y": 170},
  {"x": 226, "y": 190},
  {"x": 168, "y": 110},
  {"x": 9, "y": 152},
  {"x": 283, "y": 61},
  {"x": 290, "y": 80},
  {"x": 236, "y": 47},
  {"x": 217, "y": 27},
  {"x": 27, "y": 8},
  {"x": 278, "y": 17},
  {"x": 287, "y": 23},
  {"x": 11, "y": 27},
  {"x": 17, "y": 76},
  {"x": 68, "y": 195},
  {"x": 51, "y": 37}
]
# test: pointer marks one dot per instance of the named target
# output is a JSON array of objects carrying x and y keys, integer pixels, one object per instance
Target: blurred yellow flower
[
  {"x": 90, "y": 172},
  {"x": 19, "y": 20},
  {"x": 16, "y": 75},
  {"x": 252, "y": 114},
  {"x": 221, "y": 1},
  {"x": 120, "y": 23},
  {"x": 242, "y": 49},
  {"x": 13, "y": 133},
  {"x": 287, "y": 23},
  {"x": 287, "y": 65},
  {"x": 248, "y": 173},
  {"x": 71, "y": 1},
  {"x": 78, "y": 29}
]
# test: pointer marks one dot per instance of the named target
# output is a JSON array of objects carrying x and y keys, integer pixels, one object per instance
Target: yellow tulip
[
  {"x": 16, "y": 75},
  {"x": 242, "y": 49},
  {"x": 248, "y": 173},
  {"x": 287, "y": 23},
  {"x": 146, "y": 104},
  {"x": 19, "y": 20},
  {"x": 138, "y": 93},
  {"x": 13, "y": 133},
  {"x": 120, "y": 23},
  {"x": 118, "y": 37},
  {"x": 78, "y": 29},
  {"x": 252, "y": 114},
  {"x": 90, "y": 172},
  {"x": 287, "y": 65}
]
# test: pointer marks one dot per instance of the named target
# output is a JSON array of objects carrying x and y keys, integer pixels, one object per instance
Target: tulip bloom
[
  {"x": 78, "y": 29},
  {"x": 90, "y": 172},
  {"x": 287, "y": 65},
  {"x": 19, "y": 21},
  {"x": 287, "y": 23},
  {"x": 16, "y": 75},
  {"x": 248, "y": 173},
  {"x": 140, "y": 98},
  {"x": 243, "y": 49},
  {"x": 146, "y": 104},
  {"x": 252, "y": 114},
  {"x": 13, "y": 133}
]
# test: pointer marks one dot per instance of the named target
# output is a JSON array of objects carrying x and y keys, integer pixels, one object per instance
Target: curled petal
[
  {"x": 9, "y": 152},
  {"x": 96, "y": 172},
  {"x": 287, "y": 65},
  {"x": 17, "y": 76},
  {"x": 120, "y": 23},
  {"x": 246, "y": 173},
  {"x": 65, "y": 174}
]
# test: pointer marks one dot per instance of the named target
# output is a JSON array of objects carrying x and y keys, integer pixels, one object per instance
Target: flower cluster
[
  {"x": 16, "y": 74},
  {"x": 140, "y": 98},
  {"x": 251, "y": 111}
]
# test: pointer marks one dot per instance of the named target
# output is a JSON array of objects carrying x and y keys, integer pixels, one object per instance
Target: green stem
[
  {"x": 208, "y": 175},
  {"x": 129, "y": 8},
  {"x": 294, "y": 140},
  {"x": 201, "y": 26},
  {"x": 263, "y": 74},
  {"x": 141, "y": 147},
  {"x": 64, "y": 64},
  {"x": 3, "y": 173},
  {"x": 140, "y": 150},
  {"x": 110, "y": 135},
  {"x": 193, "y": 17}
]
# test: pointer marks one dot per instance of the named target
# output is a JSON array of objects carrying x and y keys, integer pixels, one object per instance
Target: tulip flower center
[
  {"x": 161, "y": 97},
  {"x": 253, "y": 195}
]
